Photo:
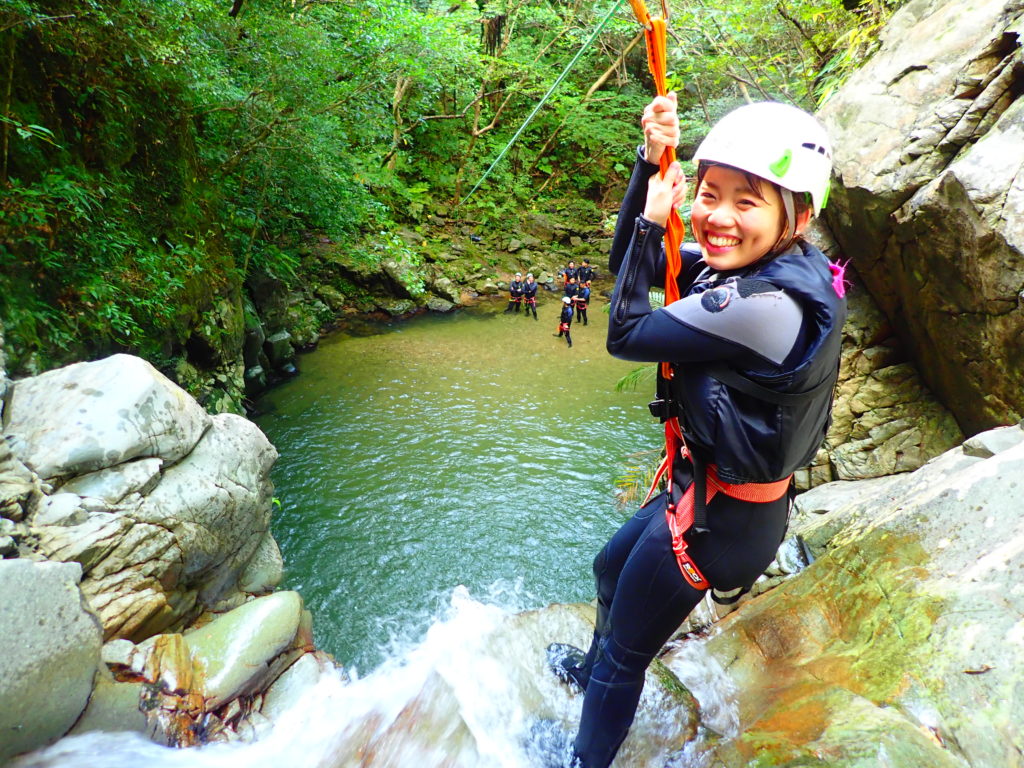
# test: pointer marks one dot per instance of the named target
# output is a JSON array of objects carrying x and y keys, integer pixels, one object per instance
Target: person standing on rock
[
  {"x": 515, "y": 290},
  {"x": 753, "y": 348},
  {"x": 565, "y": 320},
  {"x": 530, "y": 296}
]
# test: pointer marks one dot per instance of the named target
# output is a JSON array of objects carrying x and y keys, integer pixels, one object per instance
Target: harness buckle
[{"x": 662, "y": 409}]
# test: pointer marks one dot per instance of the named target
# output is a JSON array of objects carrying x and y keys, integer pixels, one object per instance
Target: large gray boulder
[
  {"x": 929, "y": 149},
  {"x": 88, "y": 416},
  {"x": 166, "y": 509},
  {"x": 154, "y": 561},
  {"x": 49, "y": 653}
]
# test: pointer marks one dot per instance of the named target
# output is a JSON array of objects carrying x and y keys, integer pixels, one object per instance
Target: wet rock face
[
  {"x": 900, "y": 644},
  {"x": 931, "y": 201},
  {"x": 166, "y": 509},
  {"x": 884, "y": 418}
]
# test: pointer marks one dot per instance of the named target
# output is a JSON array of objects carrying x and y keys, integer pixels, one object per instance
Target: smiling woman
[{"x": 753, "y": 347}]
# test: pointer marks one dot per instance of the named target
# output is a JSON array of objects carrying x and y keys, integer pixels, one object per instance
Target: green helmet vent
[{"x": 780, "y": 166}]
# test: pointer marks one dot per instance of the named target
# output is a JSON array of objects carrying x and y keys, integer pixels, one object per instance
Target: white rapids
[{"x": 473, "y": 693}]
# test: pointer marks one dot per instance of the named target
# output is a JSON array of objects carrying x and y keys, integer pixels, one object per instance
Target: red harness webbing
[{"x": 680, "y": 516}]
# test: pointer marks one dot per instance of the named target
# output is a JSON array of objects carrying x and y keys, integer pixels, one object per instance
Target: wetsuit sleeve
[
  {"x": 749, "y": 322},
  {"x": 632, "y": 206}
]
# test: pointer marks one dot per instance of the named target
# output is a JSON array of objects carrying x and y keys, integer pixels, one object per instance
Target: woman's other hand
[
  {"x": 660, "y": 122},
  {"x": 664, "y": 194}
]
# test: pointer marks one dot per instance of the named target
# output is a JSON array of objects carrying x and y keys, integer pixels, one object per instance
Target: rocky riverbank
[{"x": 138, "y": 565}]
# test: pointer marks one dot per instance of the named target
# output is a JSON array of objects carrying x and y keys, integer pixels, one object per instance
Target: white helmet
[
  {"x": 777, "y": 142},
  {"x": 566, "y": 299}
]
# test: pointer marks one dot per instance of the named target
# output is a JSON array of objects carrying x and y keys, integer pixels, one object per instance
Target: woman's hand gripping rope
[
  {"x": 660, "y": 122},
  {"x": 665, "y": 194}
]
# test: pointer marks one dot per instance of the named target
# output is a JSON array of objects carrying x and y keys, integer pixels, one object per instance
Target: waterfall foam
[{"x": 472, "y": 693}]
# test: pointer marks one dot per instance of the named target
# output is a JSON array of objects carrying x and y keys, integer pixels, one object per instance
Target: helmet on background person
[{"x": 780, "y": 143}]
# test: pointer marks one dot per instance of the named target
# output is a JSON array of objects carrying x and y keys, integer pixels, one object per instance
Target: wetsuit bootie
[{"x": 566, "y": 662}]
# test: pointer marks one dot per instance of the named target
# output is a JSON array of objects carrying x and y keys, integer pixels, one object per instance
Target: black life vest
[{"x": 756, "y": 428}]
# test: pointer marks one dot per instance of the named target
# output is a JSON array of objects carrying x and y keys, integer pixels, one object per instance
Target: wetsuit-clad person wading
[
  {"x": 515, "y": 291},
  {"x": 530, "y": 296},
  {"x": 565, "y": 320}
]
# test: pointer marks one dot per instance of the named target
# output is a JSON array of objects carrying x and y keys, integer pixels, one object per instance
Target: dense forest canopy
[{"x": 155, "y": 153}]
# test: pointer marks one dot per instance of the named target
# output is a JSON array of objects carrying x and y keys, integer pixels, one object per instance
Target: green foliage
[
  {"x": 157, "y": 153},
  {"x": 636, "y": 478},
  {"x": 798, "y": 51}
]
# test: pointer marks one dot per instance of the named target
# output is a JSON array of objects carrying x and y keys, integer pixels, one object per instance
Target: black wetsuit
[
  {"x": 570, "y": 290},
  {"x": 754, "y": 326},
  {"x": 580, "y": 300},
  {"x": 565, "y": 322},
  {"x": 568, "y": 272},
  {"x": 585, "y": 273},
  {"x": 515, "y": 290},
  {"x": 530, "y": 298}
]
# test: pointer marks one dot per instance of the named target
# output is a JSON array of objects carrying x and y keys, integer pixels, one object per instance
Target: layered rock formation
[
  {"x": 127, "y": 513},
  {"x": 929, "y": 150}
]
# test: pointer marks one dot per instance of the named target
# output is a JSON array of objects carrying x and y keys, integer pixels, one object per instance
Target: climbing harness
[{"x": 680, "y": 517}]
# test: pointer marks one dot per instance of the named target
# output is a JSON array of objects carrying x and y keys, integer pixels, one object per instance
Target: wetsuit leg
[
  {"x": 608, "y": 565},
  {"x": 584, "y": 313},
  {"x": 568, "y": 338},
  {"x": 650, "y": 599}
]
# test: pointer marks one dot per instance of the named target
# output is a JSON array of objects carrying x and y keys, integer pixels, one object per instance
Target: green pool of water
[{"x": 471, "y": 449}]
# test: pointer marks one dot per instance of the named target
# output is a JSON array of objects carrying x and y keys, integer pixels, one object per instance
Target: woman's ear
[{"x": 803, "y": 218}]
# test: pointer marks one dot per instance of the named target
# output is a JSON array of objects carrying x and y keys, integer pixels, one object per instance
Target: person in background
[
  {"x": 580, "y": 300},
  {"x": 515, "y": 290},
  {"x": 530, "y": 296},
  {"x": 753, "y": 346},
  {"x": 585, "y": 273},
  {"x": 565, "y": 320},
  {"x": 569, "y": 272},
  {"x": 571, "y": 288}
]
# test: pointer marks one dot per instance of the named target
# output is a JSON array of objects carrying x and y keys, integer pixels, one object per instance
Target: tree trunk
[{"x": 402, "y": 86}]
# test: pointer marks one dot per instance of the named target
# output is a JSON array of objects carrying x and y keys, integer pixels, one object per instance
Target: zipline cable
[{"x": 540, "y": 104}]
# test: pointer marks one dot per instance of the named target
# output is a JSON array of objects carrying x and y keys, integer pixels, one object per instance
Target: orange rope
[
  {"x": 655, "y": 33},
  {"x": 656, "y": 37}
]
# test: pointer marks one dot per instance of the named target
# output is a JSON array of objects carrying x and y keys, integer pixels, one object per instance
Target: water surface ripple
[{"x": 472, "y": 449}]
